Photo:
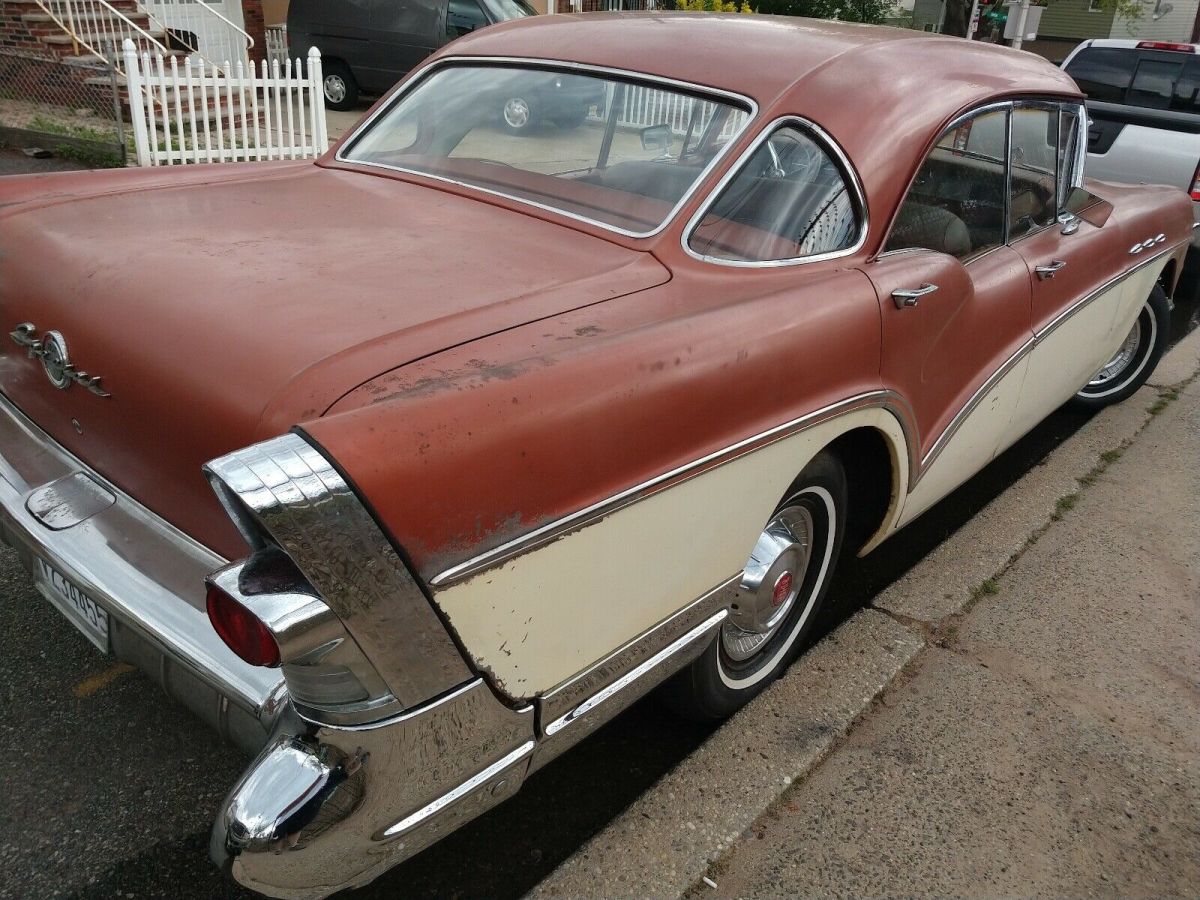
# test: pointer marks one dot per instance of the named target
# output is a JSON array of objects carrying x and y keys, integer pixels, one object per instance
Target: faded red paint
[{"x": 479, "y": 367}]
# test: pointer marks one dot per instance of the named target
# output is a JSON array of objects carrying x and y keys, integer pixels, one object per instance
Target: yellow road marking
[{"x": 97, "y": 682}]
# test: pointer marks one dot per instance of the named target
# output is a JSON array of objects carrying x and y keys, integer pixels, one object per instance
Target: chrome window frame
[
  {"x": 823, "y": 140},
  {"x": 1057, "y": 107},
  {"x": 1010, "y": 106},
  {"x": 728, "y": 97},
  {"x": 991, "y": 106}
]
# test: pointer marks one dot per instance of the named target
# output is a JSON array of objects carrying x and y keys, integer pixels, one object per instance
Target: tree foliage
[{"x": 870, "y": 11}]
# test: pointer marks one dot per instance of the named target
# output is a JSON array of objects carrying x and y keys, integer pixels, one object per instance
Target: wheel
[
  {"x": 1134, "y": 362},
  {"x": 341, "y": 90},
  {"x": 782, "y": 587},
  {"x": 569, "y": 121},
  {"x": 519, "y": 115}
]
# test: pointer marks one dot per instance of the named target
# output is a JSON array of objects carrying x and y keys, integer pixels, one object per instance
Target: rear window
[
  {"x": 615, "y": 152},
  {"x": 1154, "y": 79},
  {"x": 1104, "y": 73}
]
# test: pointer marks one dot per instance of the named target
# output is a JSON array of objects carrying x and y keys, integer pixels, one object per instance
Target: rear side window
[
  {"x": 1103, "y": 73},
  {"x": 790, "y": 200},
  {"x": 956, "y": 202}
]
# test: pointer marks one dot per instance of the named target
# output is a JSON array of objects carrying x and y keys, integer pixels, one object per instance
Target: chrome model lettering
[{"x": 51, "y": 349}]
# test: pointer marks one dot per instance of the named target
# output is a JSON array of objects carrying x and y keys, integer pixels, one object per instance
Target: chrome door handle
[
  {"x": 1047, "y": 271},
  {"x": 911, "y": 296}
]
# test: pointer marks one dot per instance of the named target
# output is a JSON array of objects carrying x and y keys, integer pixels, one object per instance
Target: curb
[{"x": 664, "y": 842}]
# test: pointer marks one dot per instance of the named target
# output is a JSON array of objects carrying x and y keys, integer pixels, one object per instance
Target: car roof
[{"x": 765, "y": 57}]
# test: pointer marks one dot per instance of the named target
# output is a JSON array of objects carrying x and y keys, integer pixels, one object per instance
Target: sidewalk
[
  {"x": 1019, "y": 713},
  {"x": 1049, "y": 744}
]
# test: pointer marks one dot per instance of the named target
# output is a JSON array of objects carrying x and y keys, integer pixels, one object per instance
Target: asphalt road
[{"x": 108, "y": 789}]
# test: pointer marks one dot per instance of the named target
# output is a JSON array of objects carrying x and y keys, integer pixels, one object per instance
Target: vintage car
[{"x": 409, "y": 467}]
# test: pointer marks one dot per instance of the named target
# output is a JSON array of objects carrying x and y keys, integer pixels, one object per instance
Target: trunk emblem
[{"x": 51, "y": 349}]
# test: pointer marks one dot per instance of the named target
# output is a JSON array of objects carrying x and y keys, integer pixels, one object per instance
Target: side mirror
[{"x": 657, "y": 137}]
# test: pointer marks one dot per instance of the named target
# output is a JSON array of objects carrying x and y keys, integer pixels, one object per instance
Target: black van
[{"x": 368, "y": 45}]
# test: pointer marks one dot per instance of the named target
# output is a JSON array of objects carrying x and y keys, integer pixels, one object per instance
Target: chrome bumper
[
  {"x": 332, "y": 807},
  {"x": 146, "y": 574}
]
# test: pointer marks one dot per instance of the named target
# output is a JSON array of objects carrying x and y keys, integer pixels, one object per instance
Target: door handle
[
  {"x": 912, "y": 295},
  {"x": 1047, "y": 271}
]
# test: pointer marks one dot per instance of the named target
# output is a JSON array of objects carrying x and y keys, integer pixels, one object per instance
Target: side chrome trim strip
[
  {"x": 557, "y": 702},
  {"x": 886, "y": 399},
  {"x": 944, "y": 438},
  {"x": 739, "y": 100},
  {"x": 634, "y": 674},
  {"x": 450, "y": 797},
  {"x": 1079, "y": 304},
  {"x": 826, "y": 142}
]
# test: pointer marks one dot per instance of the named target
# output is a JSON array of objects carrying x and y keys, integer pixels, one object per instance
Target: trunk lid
[{"x": 222, "y": 309}]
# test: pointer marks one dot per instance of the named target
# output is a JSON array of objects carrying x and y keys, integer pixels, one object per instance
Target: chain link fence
[{"x": 70, "y": 108}]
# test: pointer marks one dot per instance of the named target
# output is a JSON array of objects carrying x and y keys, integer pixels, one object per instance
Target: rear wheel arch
[{"x": 871, "y": 462}]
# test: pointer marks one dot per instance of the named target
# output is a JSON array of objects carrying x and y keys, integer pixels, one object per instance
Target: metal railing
[
  {"x": 202, "y": 29},
  {"x": 96, "y": 27},
  {"x": 199, "y": 113},
  {"x": 99, "y": 29}
]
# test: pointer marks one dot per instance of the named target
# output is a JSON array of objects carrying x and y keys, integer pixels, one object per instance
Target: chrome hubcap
[
  {"x": 516, "y": 113},
  {"x": 335, "y": 88},
  {"x": 770, "y": 584},
  {"x": 1120, "y": 362}
]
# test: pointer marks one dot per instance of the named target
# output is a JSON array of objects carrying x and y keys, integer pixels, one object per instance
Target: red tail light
[
  {"x": 1195, "y": 191},
  {"x": 246, "y": 636},
  {"x": 1166, "y": 45}
]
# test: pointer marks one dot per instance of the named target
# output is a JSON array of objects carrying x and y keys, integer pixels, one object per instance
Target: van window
[
  {"x": 503, "y": 10},
  {"x": 463, "y": 17}
]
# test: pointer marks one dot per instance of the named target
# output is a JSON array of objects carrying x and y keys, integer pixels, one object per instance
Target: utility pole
[
  {"x": 1022, "y": 16},
  {"x": 973, "y": 20}
]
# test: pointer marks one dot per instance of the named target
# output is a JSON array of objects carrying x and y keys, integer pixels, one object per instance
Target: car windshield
[
  {"x": 503, "y": 10},
  {"x": 620, "y": 153}
]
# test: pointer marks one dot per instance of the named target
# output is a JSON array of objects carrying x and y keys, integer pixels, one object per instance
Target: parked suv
[
  {"x": 369, "y": 45},
  {"x": 1144, "y": 110}
]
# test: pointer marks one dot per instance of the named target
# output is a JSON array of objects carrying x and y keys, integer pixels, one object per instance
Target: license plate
[{"x": 85, "y": 613}]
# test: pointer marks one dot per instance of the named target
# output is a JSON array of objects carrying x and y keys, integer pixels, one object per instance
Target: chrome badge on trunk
[{"x": 51, "y": 349}]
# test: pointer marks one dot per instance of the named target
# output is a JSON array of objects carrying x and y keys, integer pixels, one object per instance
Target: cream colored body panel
[
  {"x": 552, "y": 612},
  {"x": 972, "y": 446},
  {"x": 1059, "y": 366},
  {"x": 1053, "y": 369}
]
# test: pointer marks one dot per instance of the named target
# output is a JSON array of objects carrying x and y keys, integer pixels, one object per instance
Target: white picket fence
[{"x": 196, "y": 113}]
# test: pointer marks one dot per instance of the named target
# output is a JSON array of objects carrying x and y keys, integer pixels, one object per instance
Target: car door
[
  {"x": 1066, "y": 258},
  {"x": 955, "y": 305}
]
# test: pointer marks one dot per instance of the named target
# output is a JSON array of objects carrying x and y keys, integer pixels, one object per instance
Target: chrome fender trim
[{"x": 286, "y": 489}]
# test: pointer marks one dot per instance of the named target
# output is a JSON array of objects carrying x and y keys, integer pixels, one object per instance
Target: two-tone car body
[{"x": 476, "y": 439}]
